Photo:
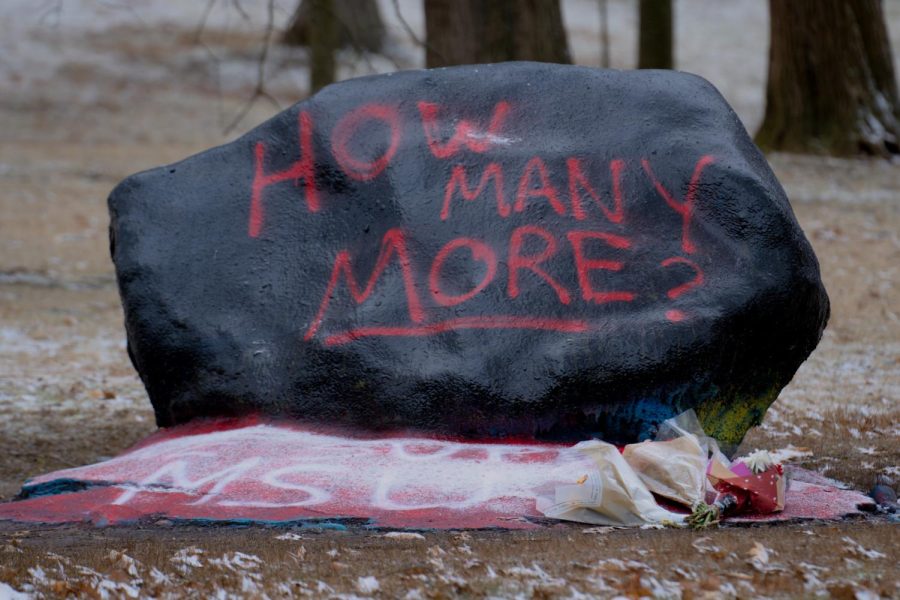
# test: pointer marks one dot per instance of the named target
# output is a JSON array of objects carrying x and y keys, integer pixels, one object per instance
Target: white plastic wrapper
[{"x": 603, "y": 490}]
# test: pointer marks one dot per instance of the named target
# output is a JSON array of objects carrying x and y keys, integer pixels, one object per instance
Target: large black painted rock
[{"x": 518, "y": 249}]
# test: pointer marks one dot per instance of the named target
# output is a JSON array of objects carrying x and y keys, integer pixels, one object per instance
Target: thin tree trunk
[
  {"x": 655, "y": 43},
  {"x": 323, "y": 43},
  {"x": 483, "y": 31},
  {"x": 831, "y": 86},
  {"x": 360, "y": 25},
  {"x": 603, "y": 5}
]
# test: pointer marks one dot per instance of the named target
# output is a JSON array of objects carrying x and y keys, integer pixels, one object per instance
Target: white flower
[{"x": 758, "y": 461}]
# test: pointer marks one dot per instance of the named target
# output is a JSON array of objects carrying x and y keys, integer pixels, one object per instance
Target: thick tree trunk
[
  {"x": 323, "y": 43},
  {"x": 832, "y": 87},
  {"x": 655, "y": 38},
  {"x": 360, "y": 26},
  {"x": 452, "y": 32},
  {"x": 482, "y": 31}
]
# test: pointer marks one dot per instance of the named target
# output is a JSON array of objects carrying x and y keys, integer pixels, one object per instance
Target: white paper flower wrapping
[
  {"x": 674, "y": 469},
  {"x": 604, "y": 490}
]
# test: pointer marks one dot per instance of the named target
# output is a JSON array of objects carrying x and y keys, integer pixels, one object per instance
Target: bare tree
[
  {"x": 482, "y": 31},
  {"x": 360, "y": 25},
  {"x": 831, "y": 87},
  {"x": 655, "y": 38}
]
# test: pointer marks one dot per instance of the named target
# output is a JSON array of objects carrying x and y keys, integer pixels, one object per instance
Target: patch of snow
[
  {"x": 404, "y": 535},
  {"x": 856, "y": 549},
  {"x": 187, "y": 559},
  {"x": 367, "y": 585},
  {"x": 9, "y": 593}
]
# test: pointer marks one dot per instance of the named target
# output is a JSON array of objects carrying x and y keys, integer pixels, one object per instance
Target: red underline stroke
[{"x": 498, "y": 322}]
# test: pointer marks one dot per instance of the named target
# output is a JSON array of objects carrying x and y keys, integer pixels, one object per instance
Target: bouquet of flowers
[
  {"x": 681, "y": 465},
  {"x": 752, "y": 484}
]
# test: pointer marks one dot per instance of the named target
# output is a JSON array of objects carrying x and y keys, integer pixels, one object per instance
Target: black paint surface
[{"x": 218, "y": 308}]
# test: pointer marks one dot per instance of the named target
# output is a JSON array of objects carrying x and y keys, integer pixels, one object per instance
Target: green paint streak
[{"x": 727, "y": 417}]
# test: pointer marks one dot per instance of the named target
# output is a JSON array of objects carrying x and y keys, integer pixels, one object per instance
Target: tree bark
[
  {"x": 831, "y": 85},
  {"x": 451, "y": 29},
  {"x": 323, "y": 43},
  {"x": 360, "y": 25},
  {"x": 655, "y": 38},
  {"x": 603, "y": 5},
  {"x": 484, "y": 31}
]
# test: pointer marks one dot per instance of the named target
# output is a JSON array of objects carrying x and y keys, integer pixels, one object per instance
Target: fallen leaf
[
  {"x": 759, "y": 559},
  {"x": 810, "y": 574},
  {"x": 790, "y": 452},
  {"x": 298, "y": 556},
  {"x": 759, "y": 553},
  {"x": 856, "y": 549},
  {"x": 703, "y": 545},
  {"x": 602, "y": 530}
]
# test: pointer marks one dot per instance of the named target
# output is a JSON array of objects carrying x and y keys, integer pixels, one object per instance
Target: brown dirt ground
[
  {"x": 836, "y": 560},
  {"x": 68, "y": 395}
]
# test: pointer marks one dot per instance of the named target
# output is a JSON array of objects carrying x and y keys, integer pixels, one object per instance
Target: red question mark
[{"x": 674, "y": 314}]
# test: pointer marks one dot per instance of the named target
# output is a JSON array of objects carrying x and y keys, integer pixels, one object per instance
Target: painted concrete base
[{"x": 249, "y": 470}]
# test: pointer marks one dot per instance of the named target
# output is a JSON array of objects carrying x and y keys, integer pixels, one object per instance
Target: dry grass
[
  {"x": 68, "y": 395},
  {"x": 790, "y": 561}
]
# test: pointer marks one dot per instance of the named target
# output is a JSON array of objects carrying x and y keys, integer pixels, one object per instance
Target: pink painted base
[{"x": 250, "y": 470}]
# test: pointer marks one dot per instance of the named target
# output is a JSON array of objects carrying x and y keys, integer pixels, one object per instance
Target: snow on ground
[
  {"x": 93, "y": 90},
  {"x": 725, "y": 42}
]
